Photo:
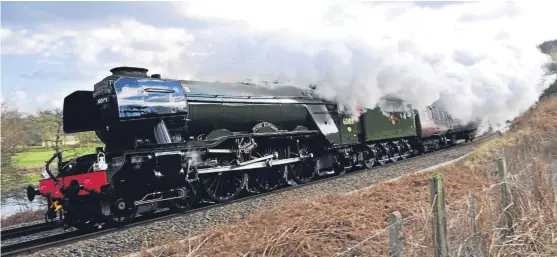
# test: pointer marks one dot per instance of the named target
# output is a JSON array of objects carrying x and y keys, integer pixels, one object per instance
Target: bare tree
[
  {"x": 87, "y": 138},
  {"x": 13, "y": 135},
  {"x": 13, "y": 129},
  {"x": 50, "y": 126}
]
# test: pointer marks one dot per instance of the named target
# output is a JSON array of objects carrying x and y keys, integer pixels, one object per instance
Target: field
[
  {"x": 34, "y": 158},
  {"x": 356, "y": 224}
]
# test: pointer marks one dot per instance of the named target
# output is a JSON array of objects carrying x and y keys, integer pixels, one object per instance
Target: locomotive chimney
[{"x": 130, "y": 71}]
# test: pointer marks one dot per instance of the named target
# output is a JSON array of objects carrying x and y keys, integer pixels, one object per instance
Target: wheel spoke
[
  {"x": 214, "y": 181},
  {"x": 266, "y": 179},
  {"x": 305, "y": 171},
  {"x": 225, "y": 187}
]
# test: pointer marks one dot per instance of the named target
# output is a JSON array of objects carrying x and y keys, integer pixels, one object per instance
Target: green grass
[
  {"x": 9, "y": 184},
  {"x": 31, "y": 178},
  {"x": 35, "y": 157}
]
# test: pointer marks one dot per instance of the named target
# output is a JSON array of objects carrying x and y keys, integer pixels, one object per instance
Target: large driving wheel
[
  {"x": 269, "y": 178},
  {"x": 304, "y": 171},
  {"x": 222, "y": 186}
]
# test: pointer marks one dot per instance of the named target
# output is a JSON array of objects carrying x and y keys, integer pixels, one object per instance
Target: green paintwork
[
  {"x": 348, "y": 128},
  {"x": 377, "y": 126},
  {"x": 235, "y": 115}
]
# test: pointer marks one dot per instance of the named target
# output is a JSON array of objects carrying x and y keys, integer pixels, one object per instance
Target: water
[{"x": 13, "y": 202}]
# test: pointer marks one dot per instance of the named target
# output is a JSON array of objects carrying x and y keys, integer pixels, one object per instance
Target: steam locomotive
[{"x": 172, "y": 143}]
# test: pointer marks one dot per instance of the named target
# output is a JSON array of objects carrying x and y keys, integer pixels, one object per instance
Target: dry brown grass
[
  {"x": 22, "y": 217},
  {"x": 329, "y": 225}
]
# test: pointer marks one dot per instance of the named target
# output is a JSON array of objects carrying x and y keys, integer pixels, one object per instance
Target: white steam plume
[{"x": 478, "y": 59}]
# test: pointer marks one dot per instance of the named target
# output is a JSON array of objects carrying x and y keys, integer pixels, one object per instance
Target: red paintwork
[
  {"x": 431, "y": 129},
  {"x": 91, "y": 181}
]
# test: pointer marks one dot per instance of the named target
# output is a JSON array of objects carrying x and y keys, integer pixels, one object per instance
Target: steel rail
[
  {"x": 30, "y": 246},
  {"x": 29, "y": 230}
]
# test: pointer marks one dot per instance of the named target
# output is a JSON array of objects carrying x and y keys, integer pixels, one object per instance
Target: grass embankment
[{"x": 329, "y": 225}]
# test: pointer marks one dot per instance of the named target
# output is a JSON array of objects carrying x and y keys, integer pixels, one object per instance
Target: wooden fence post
[
  {"x": 437, "y": 200},
  {"x": 552, "y": 175},
  {"x": 472, "y": 202},
  {"x": 396, "y": 239},
  {"x": 506, "y": 200}
]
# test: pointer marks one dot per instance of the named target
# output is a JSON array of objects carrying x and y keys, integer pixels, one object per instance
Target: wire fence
[{"x": 465, "y": 231}]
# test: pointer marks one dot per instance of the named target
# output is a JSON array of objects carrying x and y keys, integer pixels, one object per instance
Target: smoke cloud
[{"x": 476, "y": 59}]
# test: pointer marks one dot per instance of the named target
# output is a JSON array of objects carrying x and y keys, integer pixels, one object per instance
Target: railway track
[
  {"x": 30, "y": 246},
  {"x": 29, "y": 230}
]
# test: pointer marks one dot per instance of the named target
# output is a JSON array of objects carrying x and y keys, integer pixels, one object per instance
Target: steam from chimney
[{"x": 476, "y": 59}]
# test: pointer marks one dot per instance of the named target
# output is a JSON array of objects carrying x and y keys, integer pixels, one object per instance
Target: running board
[{"x": 257, "y": 165}]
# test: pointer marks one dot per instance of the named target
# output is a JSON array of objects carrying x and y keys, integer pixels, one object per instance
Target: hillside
[{"x": 329, "y": 225}]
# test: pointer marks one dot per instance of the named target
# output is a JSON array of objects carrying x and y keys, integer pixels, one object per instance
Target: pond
[{"x": 16, "y": 201}]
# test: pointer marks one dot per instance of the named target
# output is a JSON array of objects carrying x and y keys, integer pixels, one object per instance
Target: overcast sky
[{"x": 477, "y": 56}]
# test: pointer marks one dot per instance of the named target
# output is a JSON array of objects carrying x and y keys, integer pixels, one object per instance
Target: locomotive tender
[{"x": 171, "y": 143}]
